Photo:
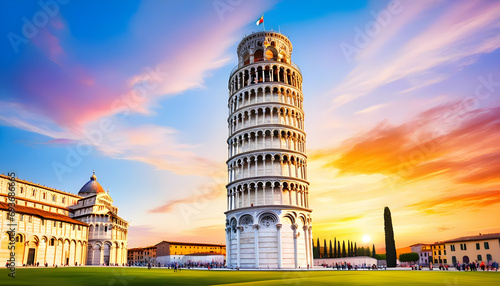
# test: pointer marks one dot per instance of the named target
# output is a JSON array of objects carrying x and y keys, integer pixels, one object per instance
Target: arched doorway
[
  {"x": 4, "y": 250},
  {"x": 20, "y": 249},
  {"x": 465, "y": 259},
  {"x": 32, "y": 245}
]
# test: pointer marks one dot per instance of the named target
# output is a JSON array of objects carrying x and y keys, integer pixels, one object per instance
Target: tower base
[{"x": 269, "y": 237}]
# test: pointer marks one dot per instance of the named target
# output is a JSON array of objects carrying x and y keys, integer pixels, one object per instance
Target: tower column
[
  {"x": 238, "y": 237},
  {"x": 256, "y": 230},
  {"x": 295, "y": 248},
  {"x": 280, "y": 251}
]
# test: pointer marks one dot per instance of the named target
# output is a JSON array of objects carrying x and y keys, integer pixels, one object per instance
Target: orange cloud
[
  {"x": 455, "y": 203},
  {"x": 425, "y": 146}
]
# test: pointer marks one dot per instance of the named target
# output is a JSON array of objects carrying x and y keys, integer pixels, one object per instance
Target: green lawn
[{"x": 140, "y": 276}]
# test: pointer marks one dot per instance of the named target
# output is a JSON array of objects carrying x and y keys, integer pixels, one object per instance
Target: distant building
[
  {"x": 424, "y": 252},
  {"x": 439, "y": 253},
  {"x": 170, "y": 252},
  {"x": 478, "y": 248},
  {"x": 167, "y": 252},
  {"x": 142, "y": 255}
]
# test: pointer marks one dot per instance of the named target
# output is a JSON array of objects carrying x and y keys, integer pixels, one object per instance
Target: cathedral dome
[{"x": 92, "y": 187}]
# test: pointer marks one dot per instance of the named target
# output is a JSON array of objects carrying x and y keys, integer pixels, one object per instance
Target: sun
[{"x": 366, "y": 238}]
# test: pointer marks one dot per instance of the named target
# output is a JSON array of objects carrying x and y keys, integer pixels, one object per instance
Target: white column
[
  {"x": 280, "y": 259},
  {"x": 242, "y": 197},
  {"x": 256, "y": 166},
  {"x": 228, "y": 246},
  {"x": 296, "y": 196},
  {"x": 264, "y": 194},
  {"x": 264, "y": 162},
  {"x": 281, "y": 194},
  {"x": 101, "y": 260},
  {"x": 256, "y": 193},
  {"x": 249, "y": 197},
  {"x": 306, "y": 243},
  {"x": 238, "y": 253},
  {"x": 237, "y": 204},
  {"x": 295, "y": 250},
  {"x": 310, "y": 246},
  {"x": 256, "y": 227}
]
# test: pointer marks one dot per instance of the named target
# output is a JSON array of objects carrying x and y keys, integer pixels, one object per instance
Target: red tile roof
[
  {"x": 42, "y": 213},
  {"x": 193, "y": 243},
  {"x": 475, "y": 237}
]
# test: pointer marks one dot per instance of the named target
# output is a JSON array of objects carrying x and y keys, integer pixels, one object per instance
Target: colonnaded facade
[
  {"x": 61, "y": 228},
  {"x": 268, "y": 221}
]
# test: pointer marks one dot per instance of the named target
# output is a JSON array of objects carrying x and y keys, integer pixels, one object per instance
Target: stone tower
[{"x": 268, "y": 221}]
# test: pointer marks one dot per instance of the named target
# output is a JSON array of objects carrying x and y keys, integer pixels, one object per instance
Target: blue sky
[{"x": 80, "y": 69}]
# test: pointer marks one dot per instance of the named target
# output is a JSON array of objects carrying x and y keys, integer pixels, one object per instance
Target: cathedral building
[
  {"x": 61, "y": 228},
  {"x": 268, "y": 219}
]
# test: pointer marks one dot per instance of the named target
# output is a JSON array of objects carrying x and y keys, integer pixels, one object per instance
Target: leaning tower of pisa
[{"x": 268, "y": 219}]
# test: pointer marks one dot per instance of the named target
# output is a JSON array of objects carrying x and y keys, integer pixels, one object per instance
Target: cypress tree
[
  {"x": 348, "y": 248},
  {"x": 325, "y": 250},
  {"x": 373, "y": 251},
  {"x": 317, "y": 248},
  {"x": 355, "y": 249},
  {"x": 344, "y": 254},
  {"x": 331, "y": 250},
  {"x": 338, "y": 250},
  {"x": 352, "y": 249},
  {"x": 335, "y": 247},
  {"x": 390, "y": 244}
]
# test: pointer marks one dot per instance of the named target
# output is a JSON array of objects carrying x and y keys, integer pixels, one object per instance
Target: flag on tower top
[{"x": 260, "y": 21}]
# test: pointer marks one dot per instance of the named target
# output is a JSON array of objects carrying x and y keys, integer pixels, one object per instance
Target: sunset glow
[{"x": 409, "y": 119}]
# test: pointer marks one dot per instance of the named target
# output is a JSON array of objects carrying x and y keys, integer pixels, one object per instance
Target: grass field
[{"x": 140, "y": 276}]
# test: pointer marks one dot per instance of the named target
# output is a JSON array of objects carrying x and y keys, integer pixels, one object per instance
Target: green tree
[
  {"x": 390, "y": 244},
  {"x": 344, "y": 253},
  {"x": 355, "y": 250},
  {"x": 373, "y": 251},
  {"x": 331, "y": 250},
  {"x": 361, "y": 251},
  {"x": 348, "y": 249},
  {"x": 325, "y": 250},
  {"x": 338, "y": 250},
  {"x": 368, "y": 252},
  {"x": 408, "y": 257},
  {"x": 317, "y": 248},
  {"x": 380, "y": 256},
  {"x": 335, "y": 248}
]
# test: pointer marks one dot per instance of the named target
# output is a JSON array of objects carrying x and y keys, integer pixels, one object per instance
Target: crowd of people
[
  {"x": 349, "y": 266},
  {"x": 474, "y": 266},
  {"x": 177, "y": 266}
]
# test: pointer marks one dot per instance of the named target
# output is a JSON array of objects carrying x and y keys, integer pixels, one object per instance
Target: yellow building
[
  {"x": 439, "y": 253},
  {"x": 478, "y": 248},
  {"x": 55, "y": 227}
]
